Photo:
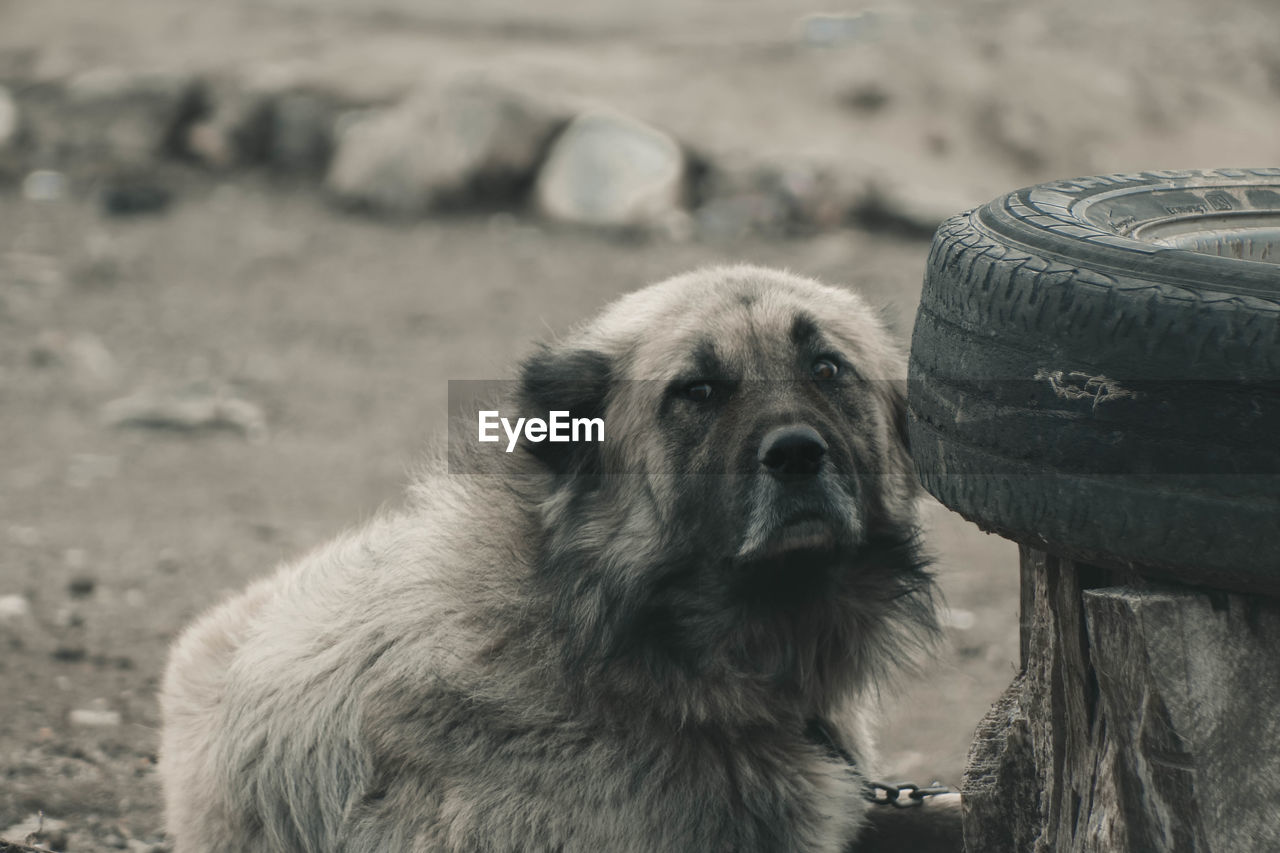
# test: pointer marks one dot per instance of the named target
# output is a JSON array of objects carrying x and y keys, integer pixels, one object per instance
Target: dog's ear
[{"x": 566, "y": 380}]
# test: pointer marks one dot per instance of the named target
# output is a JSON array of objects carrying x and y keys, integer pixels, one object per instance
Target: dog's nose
[{"x": 795, "y": 449}]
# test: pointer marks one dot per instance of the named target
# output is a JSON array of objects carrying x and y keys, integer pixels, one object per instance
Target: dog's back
[{"x": 265, "y": 696}]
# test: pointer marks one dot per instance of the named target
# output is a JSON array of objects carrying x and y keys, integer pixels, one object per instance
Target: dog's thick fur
[{"x": 599, "y": 647}]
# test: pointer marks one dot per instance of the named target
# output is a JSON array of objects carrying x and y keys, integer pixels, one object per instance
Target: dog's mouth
[
  {"x": 807, "y": 534},
  {"x": 795, "y": 565},
  {"x": 807, "y": 538}
]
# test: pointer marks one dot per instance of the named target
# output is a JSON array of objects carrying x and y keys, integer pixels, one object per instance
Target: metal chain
[
  {"x": 891, "y": 793},
  {"x": 878, "y": 793}
]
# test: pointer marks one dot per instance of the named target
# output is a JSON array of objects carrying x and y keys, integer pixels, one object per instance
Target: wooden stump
[{"x": 1146, "y": 718}]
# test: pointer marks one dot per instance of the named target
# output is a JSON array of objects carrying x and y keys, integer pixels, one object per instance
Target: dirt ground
[{"x": 345, "y": 330}]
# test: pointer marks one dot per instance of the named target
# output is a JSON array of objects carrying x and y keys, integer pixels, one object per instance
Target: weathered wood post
[
  {"x": 1146, "y": 717},
  {"x": 1095, "y": 374}
]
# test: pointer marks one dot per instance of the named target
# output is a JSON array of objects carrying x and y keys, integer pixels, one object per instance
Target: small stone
[
  {"x": 126, "y": 118},
  {"x": 39, "y": 270},
  {"x": 69, "y": 653},
  {"x": 44, "y": 185},
  {"x": 38, "y": 829},
  {"x": 293, "y": 131},
  {"x": 1020, "y": 131},
  {"x": 134, "y": 195},
  {"x": 903, "y": 208},
  {"x": 82, "y": 586},
  {"x": 211, "y": 144},
  {"x": 961, "y": 620},
  {"x": 101, "y": 261},
  {"x": 46, "y": 349},
  {"x": 67, "y": 617},
  {"x": 771, "y": 197},
  {"x": 827, "y": 29},
  {"x": 275, "y": 117},
  {"x": 867, "y": 97},
  {"x": 9, "y": 119},
  {"x": 611, "y": 170},
  {"x": 97, "y": 715},
  {"x": 137, "y": 846},
  {"x": 465, "y": 142},
  {"x": 75, "y": 558},
  {"x": 91, "y": 362},
  {"x": 14, "y": 607},
  {"x": 189, "y": 411}
]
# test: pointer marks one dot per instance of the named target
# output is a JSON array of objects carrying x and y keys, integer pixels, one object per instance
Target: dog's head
[{"x": 752, "y": 499}]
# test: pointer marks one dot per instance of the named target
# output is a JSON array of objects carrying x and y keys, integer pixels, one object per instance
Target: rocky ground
[{"x": 243, "y": 247}]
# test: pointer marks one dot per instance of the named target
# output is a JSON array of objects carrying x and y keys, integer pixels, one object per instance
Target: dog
[{"x": 666, "y": 640}]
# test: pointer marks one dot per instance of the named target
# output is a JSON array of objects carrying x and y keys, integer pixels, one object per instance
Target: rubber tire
[{"x": 1079, "y": 384}]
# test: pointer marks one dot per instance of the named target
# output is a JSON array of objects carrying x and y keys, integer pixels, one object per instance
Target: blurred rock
[
  {"x": 737, "y": 215},
  {"x": 611, "y": 170},
  {"x": 44, "y": 185},
  {"x": 91, "y": 360},
  {"x": 45, "y": 273},
  {"x": 470, "y": 141},
  {"x": 280, "y": 124},
  {"x": 47, "y": 349},
  {"x": 84, "y": 354},
  {"x": 137, "y": 846},
  {"x": 211, "y": 143},
  {"x": 8, "y": 120},
  {"x": 783, "y": 198},
  {"x": 869, "y": 97},
  {"x": 69, "y": 653},
  {"x": 188, "y": 411},
  {"x": 68, "y": 617},
  {"x": 102, "y": 261},
  {"x": 82, "y": 586},
  {"x": 1017, "y": 130},
  {"x": 125, "y": 117},
  {"x": 168, "y": 561},
  {"x": 826, "y": 29},
  {"x": 962, "y": 620},
  {"x": 14, "y": 607},
  {"x": 131, "y": 195},
  {"x": 291, "y": 132},
  {"x": 97, "y": 715},
  {"x": 907, "y": 209},
  {"x": 739, "y": 199},
  {"x": 37, "y": 829}
]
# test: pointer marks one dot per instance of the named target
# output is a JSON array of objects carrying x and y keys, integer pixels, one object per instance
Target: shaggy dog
[{"x": 667, "y": 640}]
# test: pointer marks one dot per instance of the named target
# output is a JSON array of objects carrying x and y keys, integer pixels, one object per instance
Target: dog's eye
[
  {"x": 824, "y": 368},
  {"x": 698, "y": 392}
]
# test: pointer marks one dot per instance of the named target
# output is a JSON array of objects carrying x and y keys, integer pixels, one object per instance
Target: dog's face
[
  {"x": 754, "y": 480},
  {"x": 779, "y": 433}
]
